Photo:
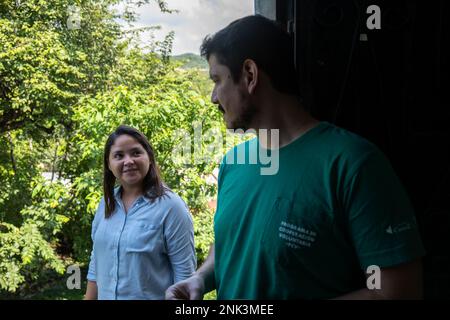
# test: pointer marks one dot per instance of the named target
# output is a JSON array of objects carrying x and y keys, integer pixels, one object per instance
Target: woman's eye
[{"x": 117, "y": 156}]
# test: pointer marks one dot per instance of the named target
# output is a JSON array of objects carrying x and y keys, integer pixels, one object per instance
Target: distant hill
[{"x": 191, "y": 60}]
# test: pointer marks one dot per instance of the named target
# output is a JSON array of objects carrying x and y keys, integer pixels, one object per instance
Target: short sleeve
[{"x": 380, "y": 215}]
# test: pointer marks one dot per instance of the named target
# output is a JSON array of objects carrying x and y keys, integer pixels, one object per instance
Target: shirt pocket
[
  {"x": 294, "y": 231},
  {"x": 144, "y": 238}
]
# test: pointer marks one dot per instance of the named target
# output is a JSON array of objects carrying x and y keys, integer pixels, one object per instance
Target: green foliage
[
  {"x": 23, "y": 251},
  {"x": 204, "y": 234},
  {"x": 44, "y": 66}
]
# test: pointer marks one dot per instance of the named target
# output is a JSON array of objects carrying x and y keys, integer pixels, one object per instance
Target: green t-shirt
[{"x": 334, "y": 207}]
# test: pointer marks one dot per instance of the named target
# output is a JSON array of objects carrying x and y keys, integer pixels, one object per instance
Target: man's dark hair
[
  {"x": 153, "y": 184},
  {"x": 260, "y": 39}
]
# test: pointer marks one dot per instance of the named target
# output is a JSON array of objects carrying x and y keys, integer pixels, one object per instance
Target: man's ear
[{"x": 250, "y": 74}]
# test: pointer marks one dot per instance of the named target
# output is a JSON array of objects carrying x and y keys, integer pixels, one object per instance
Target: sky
[{"x": 195, "y": 20}]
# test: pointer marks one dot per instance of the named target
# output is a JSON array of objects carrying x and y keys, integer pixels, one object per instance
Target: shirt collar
[{"x": 117, "y": 193}]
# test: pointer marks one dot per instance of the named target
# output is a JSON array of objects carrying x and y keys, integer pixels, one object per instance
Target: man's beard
[{"x": 244, "y": 120}]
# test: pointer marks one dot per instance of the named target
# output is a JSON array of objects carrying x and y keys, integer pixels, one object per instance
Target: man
[{"x": 333, "y": 209}]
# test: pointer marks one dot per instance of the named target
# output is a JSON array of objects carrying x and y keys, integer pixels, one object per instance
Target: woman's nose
[{"x": 127, "y": 160}]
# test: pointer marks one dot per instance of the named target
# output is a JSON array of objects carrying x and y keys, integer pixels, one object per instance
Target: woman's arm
[
  {"x": 91, "y": 291},
  {"x": 179, "y": 238}
]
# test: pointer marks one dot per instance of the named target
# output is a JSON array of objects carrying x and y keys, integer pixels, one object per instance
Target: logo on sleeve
[{"x": 392, "y": 229}]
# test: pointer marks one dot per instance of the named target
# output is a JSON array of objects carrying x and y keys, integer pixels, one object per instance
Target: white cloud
[{"x": 195, "y": 20}]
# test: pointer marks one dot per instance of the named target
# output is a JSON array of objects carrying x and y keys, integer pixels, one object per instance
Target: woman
[{"x": 142, "y": 232}]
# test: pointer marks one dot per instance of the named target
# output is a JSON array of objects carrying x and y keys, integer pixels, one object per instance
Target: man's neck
[{"x": 287, "y": 115}]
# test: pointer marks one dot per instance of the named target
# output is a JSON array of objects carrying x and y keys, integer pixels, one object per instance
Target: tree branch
[{"x": 11, "y": 153}]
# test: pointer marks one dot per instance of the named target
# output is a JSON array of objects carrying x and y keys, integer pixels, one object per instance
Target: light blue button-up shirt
[{"x": 139, "y": 254}]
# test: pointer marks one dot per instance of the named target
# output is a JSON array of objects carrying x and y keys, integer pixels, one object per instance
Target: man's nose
[{"x": 214, "y": 97}]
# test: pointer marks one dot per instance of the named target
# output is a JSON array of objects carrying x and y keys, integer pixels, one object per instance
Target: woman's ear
[{"x": 250, "y": 74}]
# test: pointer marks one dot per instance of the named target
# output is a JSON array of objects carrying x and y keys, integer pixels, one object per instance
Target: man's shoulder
[
  {"x": 345, "y": 143},
  {"x": 243, "y": 147}
]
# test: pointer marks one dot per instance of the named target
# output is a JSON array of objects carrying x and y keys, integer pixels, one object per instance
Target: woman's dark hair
[
  {"x": 260, "y": 39},
  {"x": 153, "y": 185}
]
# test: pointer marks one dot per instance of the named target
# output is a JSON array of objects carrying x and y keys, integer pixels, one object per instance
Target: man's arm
[
  {"x": 399, "y": 282},
  {"x": 206, "y": 271},
  {"x": 201, "y": 282}
]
